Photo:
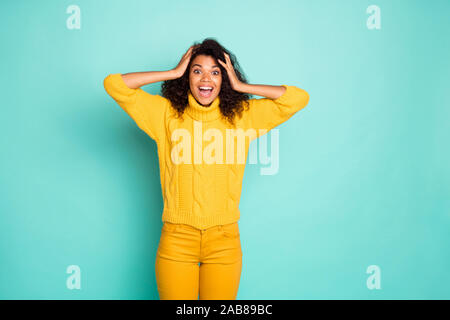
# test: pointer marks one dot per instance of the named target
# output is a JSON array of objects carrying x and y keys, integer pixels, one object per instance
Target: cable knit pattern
[
  {"x": 200, "y": 194},
  {"x": 233, "y": 181},
  {"x": 199, "y": 180},
  {"x": 170, "y": 170}
]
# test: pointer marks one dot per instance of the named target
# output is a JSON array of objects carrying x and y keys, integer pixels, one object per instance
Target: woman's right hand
[{"x": 184, "y": 62}]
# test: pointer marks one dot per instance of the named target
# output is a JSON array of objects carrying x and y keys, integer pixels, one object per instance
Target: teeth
[{"x": 206, "y": 88}]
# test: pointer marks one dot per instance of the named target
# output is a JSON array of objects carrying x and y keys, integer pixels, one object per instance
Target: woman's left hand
[{"x": 234, "y": 81}]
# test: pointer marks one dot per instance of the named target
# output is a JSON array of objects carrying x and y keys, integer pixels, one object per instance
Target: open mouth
[{"x": 205, "y": 91}]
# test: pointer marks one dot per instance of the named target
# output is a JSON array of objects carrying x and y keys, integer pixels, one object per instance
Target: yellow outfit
[
  {"x": 195, "y": 191},
  {"x": 199, "y": 253}
]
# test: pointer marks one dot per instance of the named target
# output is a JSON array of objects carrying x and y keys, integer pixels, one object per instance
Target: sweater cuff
[
  {"x": 284, "y": 98},
  {"x": 117, "y": 79},
  {"x": 293, "y": 96}
]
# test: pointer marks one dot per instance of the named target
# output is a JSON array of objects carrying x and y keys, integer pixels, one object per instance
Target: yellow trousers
[{"x": 194, "y": 264}]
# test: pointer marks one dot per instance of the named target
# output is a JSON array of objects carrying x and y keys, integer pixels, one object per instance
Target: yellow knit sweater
[{"x": 201, "y": 156}]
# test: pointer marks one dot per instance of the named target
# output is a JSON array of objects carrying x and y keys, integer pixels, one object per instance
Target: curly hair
[{"x": 231, "y": 102}]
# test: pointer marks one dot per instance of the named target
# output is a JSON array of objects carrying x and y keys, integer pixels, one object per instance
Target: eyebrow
[{"x": 214, "y": 66}]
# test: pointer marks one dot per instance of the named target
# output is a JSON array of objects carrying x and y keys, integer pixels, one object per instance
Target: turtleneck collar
[{"x": 202, "y": 113}]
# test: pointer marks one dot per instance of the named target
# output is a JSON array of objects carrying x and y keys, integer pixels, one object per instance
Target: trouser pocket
[
  {"x": 230, "y": 230},
  {"x": 169, "y": 226}
]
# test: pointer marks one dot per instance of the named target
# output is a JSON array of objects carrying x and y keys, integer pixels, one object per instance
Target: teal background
[{"x": 364, "y": 176}]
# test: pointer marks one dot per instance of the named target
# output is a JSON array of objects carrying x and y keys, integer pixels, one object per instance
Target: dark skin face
[{"x": 205, "y": 72}]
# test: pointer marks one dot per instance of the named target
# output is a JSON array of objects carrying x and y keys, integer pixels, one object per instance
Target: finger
[{"x": 223, "y": 64}]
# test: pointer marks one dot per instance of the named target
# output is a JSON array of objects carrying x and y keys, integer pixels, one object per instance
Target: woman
[{"x": 203, "y": 124}]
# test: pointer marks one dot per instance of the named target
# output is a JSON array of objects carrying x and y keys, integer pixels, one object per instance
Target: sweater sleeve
[
  {"x": 147, "y": 110},
  {"x": 265, "y": 114}
]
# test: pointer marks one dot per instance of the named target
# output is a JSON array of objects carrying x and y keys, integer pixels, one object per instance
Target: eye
[{"x": 216, "y": 72}]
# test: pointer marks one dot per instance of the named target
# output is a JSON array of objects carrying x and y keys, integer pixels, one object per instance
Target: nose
[{"x": 205, "y": 78}]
